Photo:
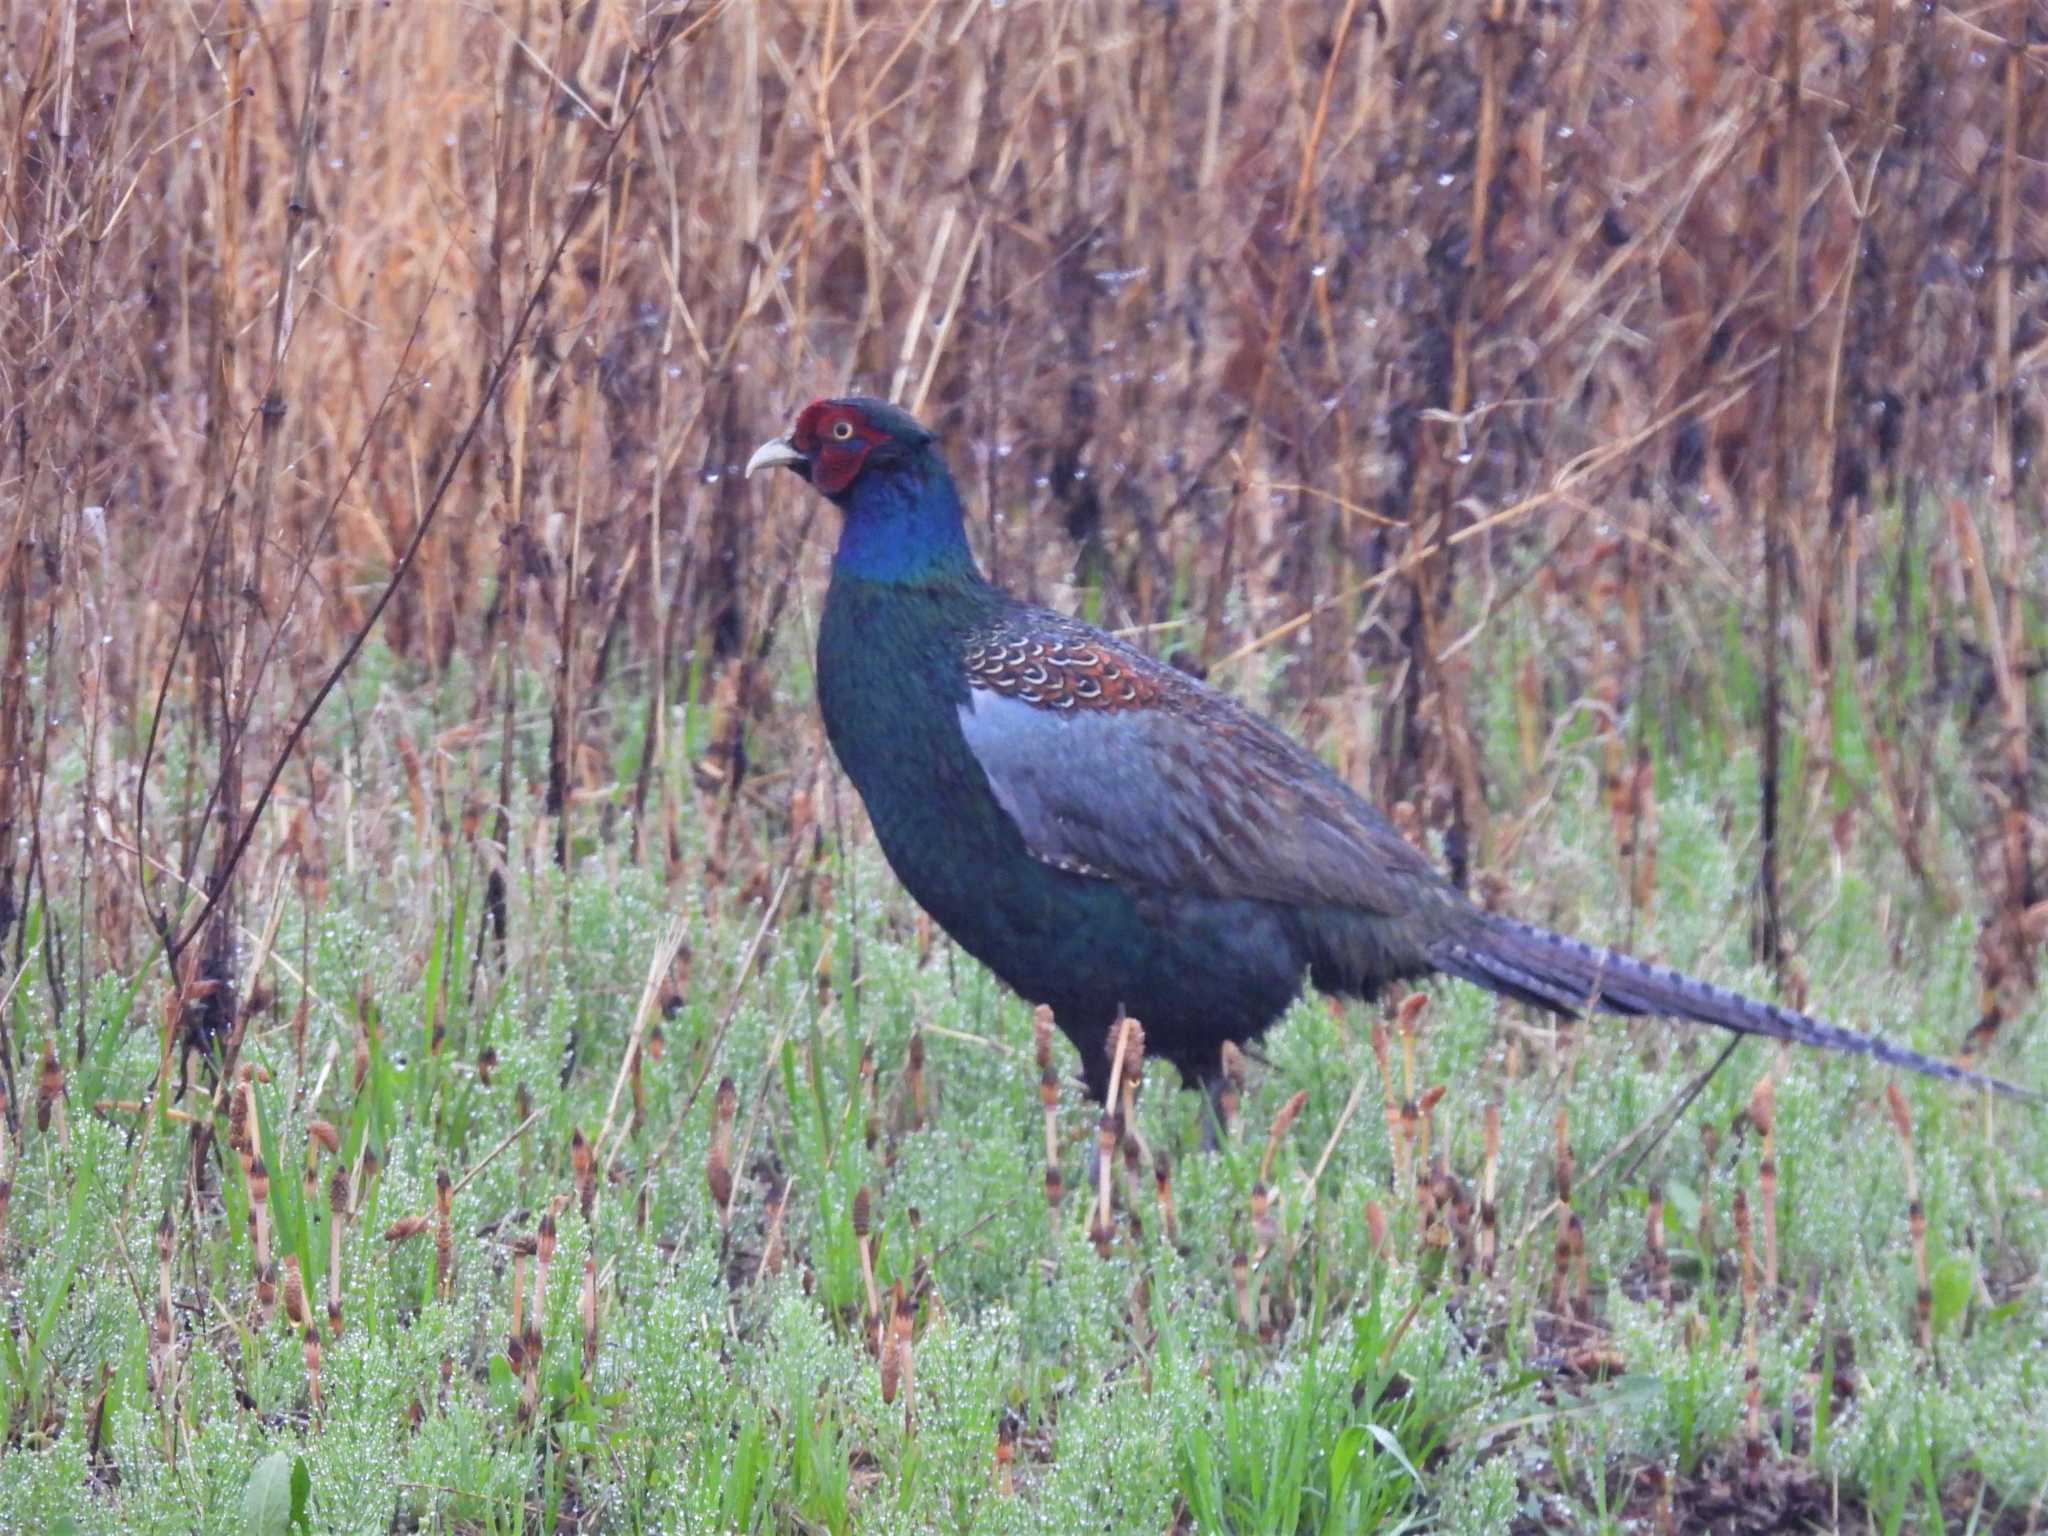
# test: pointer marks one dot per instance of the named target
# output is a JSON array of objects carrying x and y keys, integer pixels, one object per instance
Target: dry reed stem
[
  {"x": 1489, "y": 1180},
  {"x": 661, "y": 963},
  {"x": 444, "y": 1235},
  {"x": 1126, "y": 1045},
  {"x": 1763, "y": 1114},
  {"x": 1753, "y": 1400},
  {"x": 1653, "y": 1244},
  {"x": 1916, "y": 1216},
  {"x": 718, "y": 1171}
]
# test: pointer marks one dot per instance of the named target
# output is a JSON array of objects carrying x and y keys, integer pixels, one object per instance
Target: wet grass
[{"x": 1320, "y": 1342}]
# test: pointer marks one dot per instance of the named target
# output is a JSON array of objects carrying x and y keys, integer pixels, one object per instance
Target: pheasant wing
[{"x": 1113, "y": 765}]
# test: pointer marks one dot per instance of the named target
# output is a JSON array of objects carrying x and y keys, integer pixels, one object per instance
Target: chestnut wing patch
[{"x": 1062, "y": 674}]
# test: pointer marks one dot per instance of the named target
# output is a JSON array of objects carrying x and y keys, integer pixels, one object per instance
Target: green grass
[{"x": 1378, "y": 1391}]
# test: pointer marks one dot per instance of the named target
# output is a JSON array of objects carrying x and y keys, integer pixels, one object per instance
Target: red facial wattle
[{"x": 836, "y": 439}]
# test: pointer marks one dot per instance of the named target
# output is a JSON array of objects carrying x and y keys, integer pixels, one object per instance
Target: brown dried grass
[{"x": 1337, "y": 328}]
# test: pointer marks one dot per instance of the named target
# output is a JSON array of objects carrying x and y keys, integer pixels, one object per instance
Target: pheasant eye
[{"x": 842, "y": 429}]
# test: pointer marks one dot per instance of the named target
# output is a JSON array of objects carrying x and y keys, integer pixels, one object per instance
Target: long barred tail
[{"x": 1537, "y": 966}]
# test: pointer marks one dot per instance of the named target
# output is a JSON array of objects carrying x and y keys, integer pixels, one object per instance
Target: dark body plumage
[{"x": 1109, "y": 835}]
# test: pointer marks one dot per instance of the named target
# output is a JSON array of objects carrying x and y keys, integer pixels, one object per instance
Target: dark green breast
[{"x": 890, "y": 687}]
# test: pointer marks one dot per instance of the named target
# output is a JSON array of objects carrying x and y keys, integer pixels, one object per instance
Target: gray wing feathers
[{"x": 1220, "y": 805}]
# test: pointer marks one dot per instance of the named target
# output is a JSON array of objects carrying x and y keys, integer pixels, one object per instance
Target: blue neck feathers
[{"x": 903, "y": 524}]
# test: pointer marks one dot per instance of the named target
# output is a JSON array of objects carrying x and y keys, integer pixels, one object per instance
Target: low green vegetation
[{"x": 1314, "y": 1338}]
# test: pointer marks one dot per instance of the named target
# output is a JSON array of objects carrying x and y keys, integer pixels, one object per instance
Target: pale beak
[{"x": 777, "y": 450}]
